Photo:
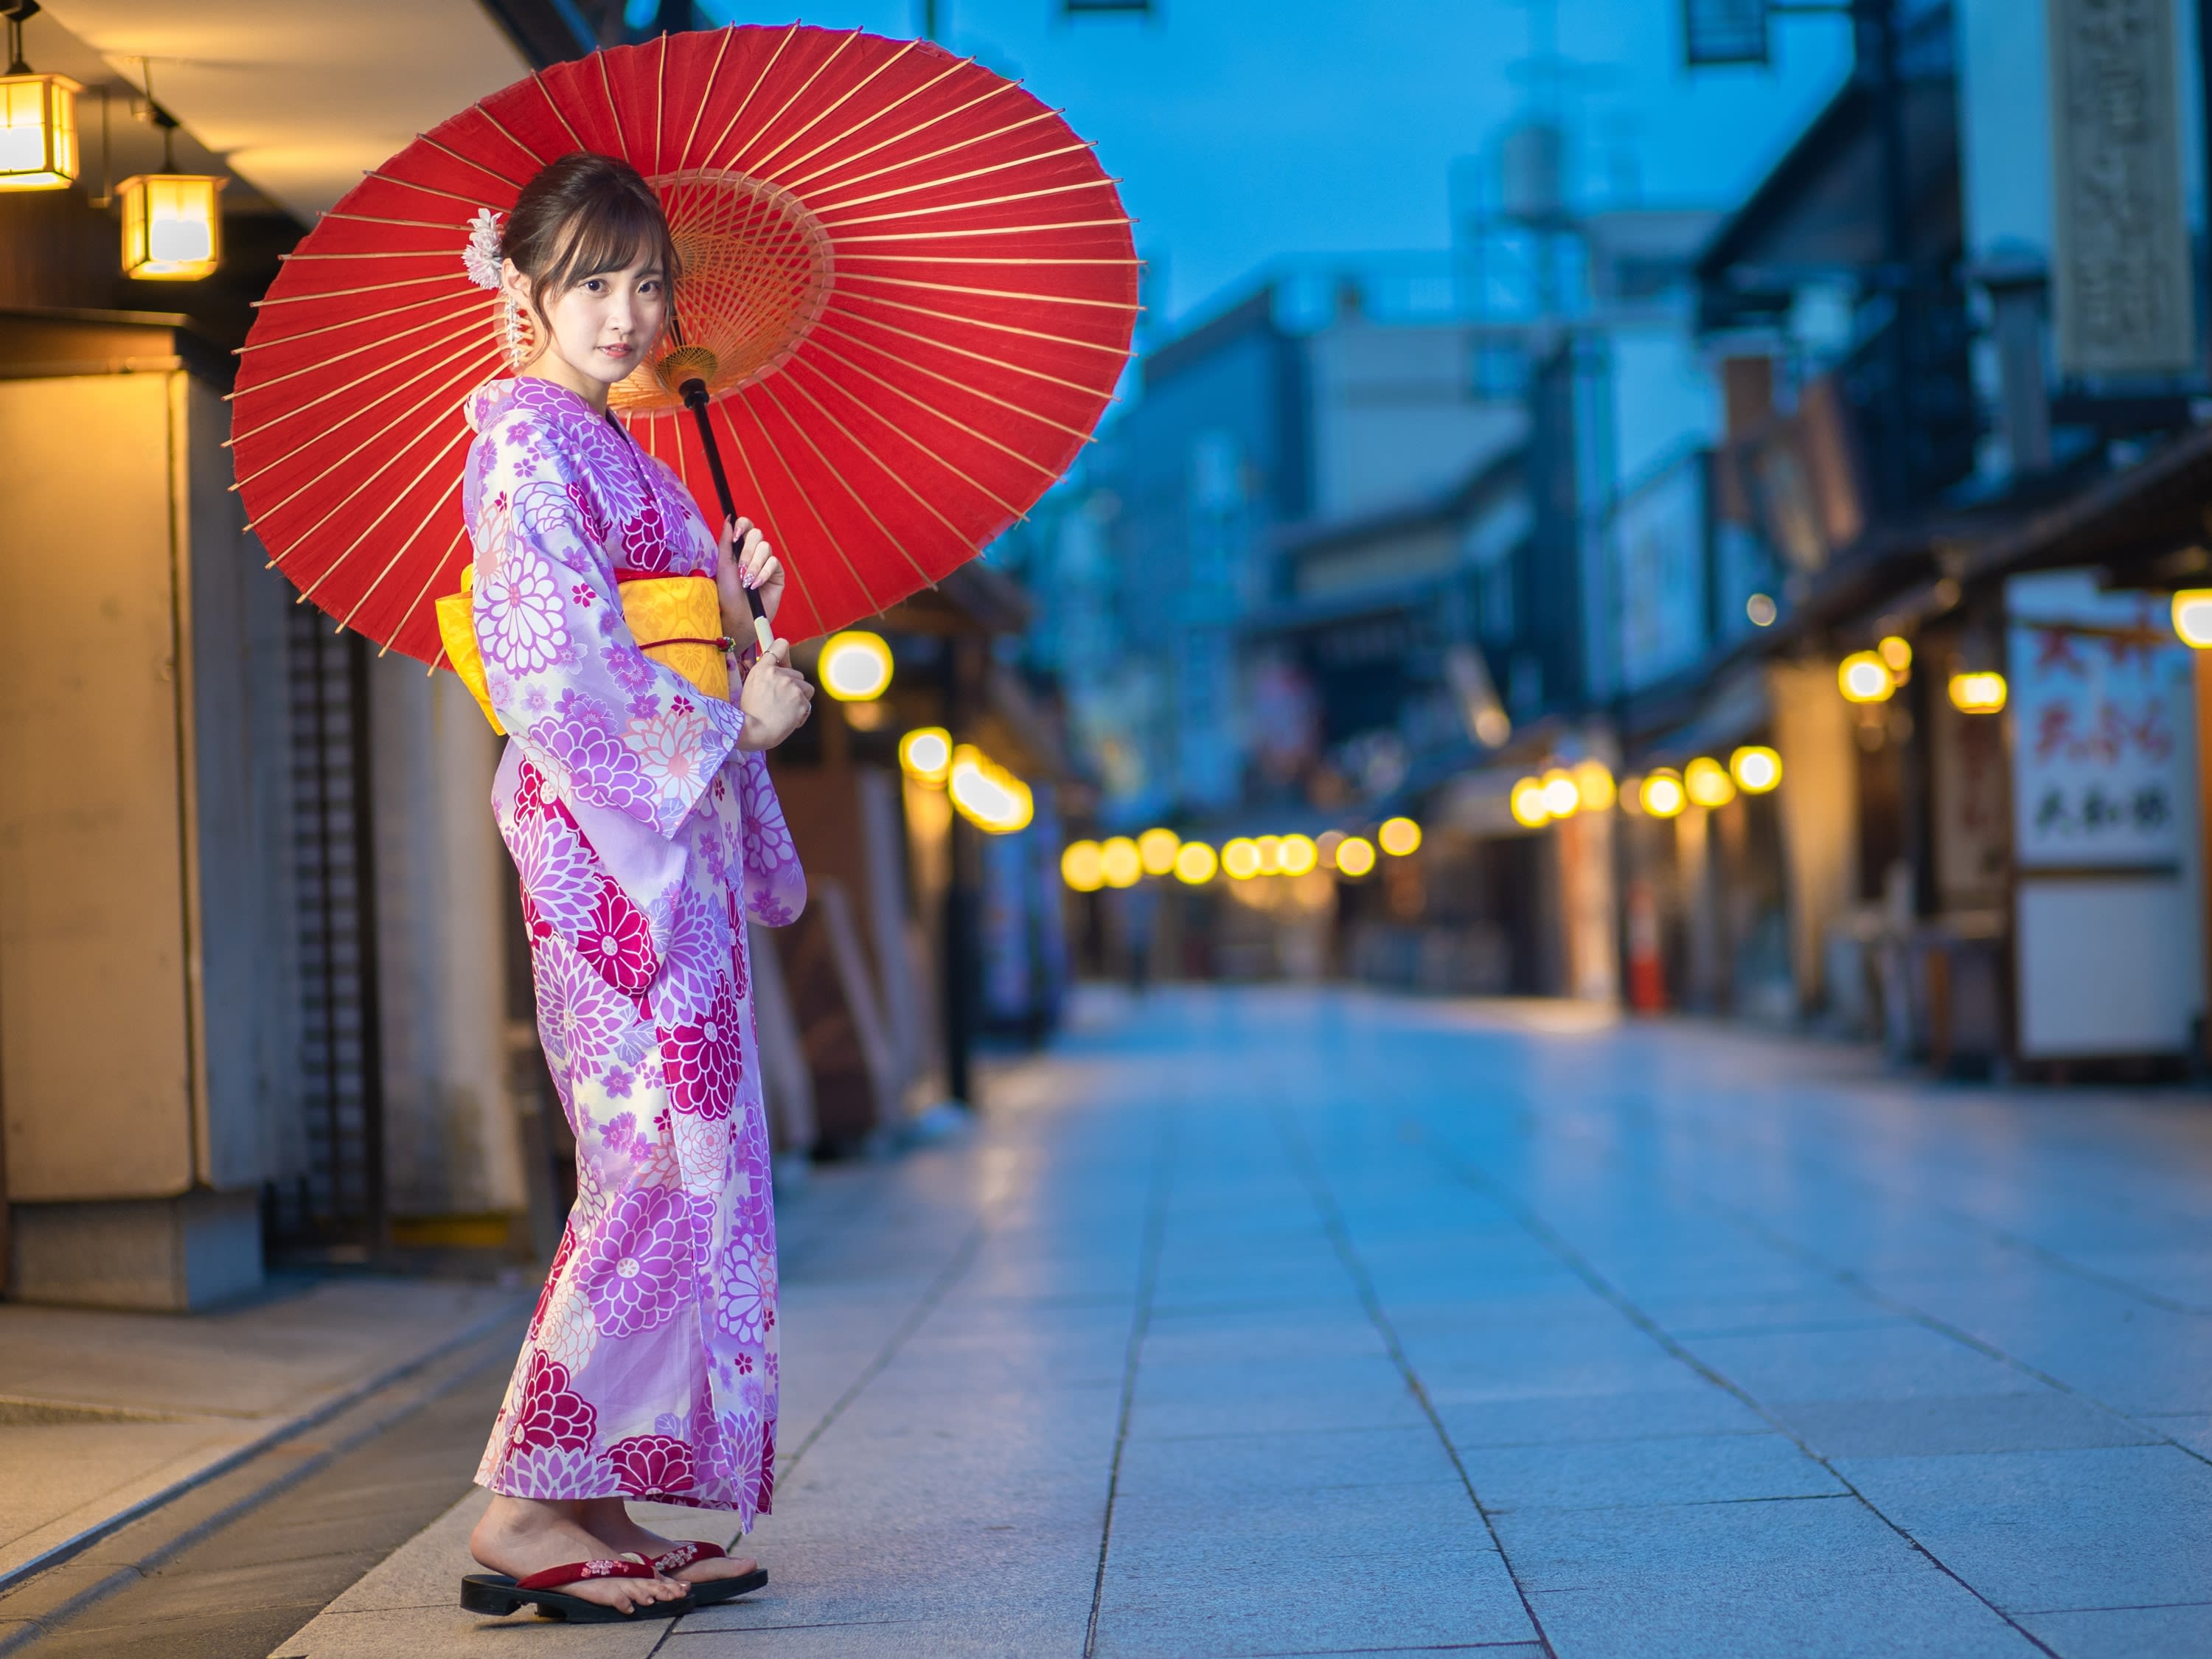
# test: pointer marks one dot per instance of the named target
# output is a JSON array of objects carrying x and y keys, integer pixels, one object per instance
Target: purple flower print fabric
[{"x": 642, "y": 836}]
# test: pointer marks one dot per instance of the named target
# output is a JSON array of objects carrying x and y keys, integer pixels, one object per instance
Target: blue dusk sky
[{"x": 1245, "y": 130}]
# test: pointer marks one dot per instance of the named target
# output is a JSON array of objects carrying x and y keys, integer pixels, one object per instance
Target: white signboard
[{"x": 2102, "y": 726}]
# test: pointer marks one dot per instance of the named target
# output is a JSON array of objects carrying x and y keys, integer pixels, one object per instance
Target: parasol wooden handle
[{"x": 694, "y": 394}]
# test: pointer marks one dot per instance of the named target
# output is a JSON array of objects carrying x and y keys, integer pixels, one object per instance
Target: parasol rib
[
  {"x": 761, "y": 513},
  {"x": 821, "y": 207},
  {"x": 746, "y": 103},
  {"x": 952, "y": 69},
  {"x": 467, "y": 160},
  {"x": 844, "y": 242},
  {"x": 759, "y": 168},
  {"x": 845, "y": 484},
  {"x": 614, "y": 114},
  {"x": 536, "y": 159},
  {"x": 437, "y": 571},
  {"x": 699, "y": 107},
  {"x": 946, "y": 345},
  {"x": 406, "y": 415},
  {"x": 996, "y": 292},
  {"x": 379, "y": 344},
  {"x": 349, "y": 322},
  {"x": 347, "y": 293},
  {"x": 554, "y": 104},
  {"x": 975, "y": 259},
  {"x": 972, "y": 391},
  {"x": 400, "y": 495},
  {"x": 852, "y": 437},
  {"x": 934, "y": 155},
  {"x": 974, "y": 322},
  {"x": 963, "y": 207},
  {"x": 382, "y": 177},
  {"x": 282, "y": 415},
  {"x": 659, "y": 98},
  {"x": 429, "y": 519},
  {"x": 1050, "y": 472},
  {"x": 739, "y": 163},
  {"x": 867, "y": 593}
]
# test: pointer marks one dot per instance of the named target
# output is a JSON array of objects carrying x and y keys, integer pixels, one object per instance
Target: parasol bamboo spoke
[
  {"x": 1005, "y": 364},
  {"x": 1010, "y": 407},
  {"x": 429, "y": 519},
  {"x": 797, "y": 185},
  {"x": 382, "y": 177},
  {"x": 467, "y": 160},
  {"x": 996, "y": 292},
  {"x": 398, "y": 496},
  {"x": 761, "y": 512},
  {"x": 347, "y": 293},
  {"x": 1031, "y": 462},
  {"x": 382, "y": 343},
  {"x": 659, "y": 98},
  {"x": 959, "y": 472},
  {"x": 806, "y": 500},
  {"x": 963, "y": 207},
  {"x": 844, "y": 242},
  {"x": 759, "y": 168},
  {"x": 976, "y": 322},
  {"x": 371, "y": 253},
  {"x": 536, "y": 159},
  {"x": 931, "y": 155},
  {"x": 740, "y": 163},
  {"x": 351, "y": 322},
  {"x": 447, "y": 225},
  {"x": 554, "y": 104},
  {"x": 613, "y": 113},
  {"x": 822, "y": 208},
  {"x": 437, "y": 570},
  {"x": 746, "y": 102},
  {"x": 844, "y": 257},
  {"x": 699, "y": 107},
  {"x": 293, "y": 410},
  {"x": 401, "y": 419}
]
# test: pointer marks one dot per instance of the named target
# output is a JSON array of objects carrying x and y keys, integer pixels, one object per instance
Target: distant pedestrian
[{"x": 636, "y": 803}]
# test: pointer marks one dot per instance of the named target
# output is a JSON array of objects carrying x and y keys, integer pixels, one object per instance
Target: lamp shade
[
  {"x": 38, "y": 132},
  {"x": 171, "y": 225}
]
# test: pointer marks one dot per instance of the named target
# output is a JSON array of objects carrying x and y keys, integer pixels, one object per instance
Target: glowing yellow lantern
[
  {"x": 1156, "y": 851},
  {"x": 1120, "y": 862},
  {"x": 1527, "y": 802},
  {"x": 987, "y": 795},
  {"x": 856, "y": 665},
  {"x": 1296, "y": 855},
  {"x": 1399, "y": 836},
  {"x": 1707, "y": 783},
  {"x": 171, "y": 227},
  {"x": 1865, "y": 677},
  {"x": 1270, "y": 848},
  {"x": 1561, "y": 798},
  {"x": 1081, "y": 866},
  {"x": 1241, "y": 859},
  {"x": 1194, "y": 864},
  {"x": 2192, "y": 617},
  {"x": 1896, "y": 653},
  {"x": 1755, "y": 767},
  {"x": 927, "y": 753},
  {"x": 1594, "y": 786},
  {"x": 1662, "y": 795},
  {"x": 1982, "y": 693},
  {"x": 38, "y": 132},
  {"x": 1355, "y": 856}
]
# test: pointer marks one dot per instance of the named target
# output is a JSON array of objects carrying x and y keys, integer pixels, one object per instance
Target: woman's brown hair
[{"x": 581, "y": 216}]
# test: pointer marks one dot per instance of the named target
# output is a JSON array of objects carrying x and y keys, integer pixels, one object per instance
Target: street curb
[{"x": 45, "y": 1561}]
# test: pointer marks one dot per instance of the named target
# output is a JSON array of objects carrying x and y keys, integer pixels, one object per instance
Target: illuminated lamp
[
  {"x": 1399, "y": 836},
  {"x": 925, "y": 753},
  {"x": 1528, "y": 803},
  {"x": 171, "y": 227},
  {"x": 1896, "y": 653},
  {"x": 2192, "y": 617},
  {"x": 1561, "y": 798},
  {"x": 1355, "y": 856},
  {"x": 1755, "y": 767},
  {"x": 1270, "y": 848},
  {"x": 37, "y": 129},
  {"x": 1194, "y": 864},
  {"x": 1082, "y": 867},
  {"x": 1594, "y": 786},
  {"x": 1632, "y": 796},
  {"x": 1241, "y": 859},
  {"x": 1662, "y": 795},
  {"x": 1120, "y": 862},
  {"x": 856, "y": 665},
  {"x": 1156, "y": 851},
  {"x": 1982, "y": 693},
  {"x": 990, "y": 797},
  {"x": 1296, "y": 855},
  {"x": 1325, "y": 846},
  {"x": 1707, "y": 783},
  {"x": 1865, "y": 677}
]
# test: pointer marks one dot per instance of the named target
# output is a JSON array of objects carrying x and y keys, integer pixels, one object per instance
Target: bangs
[{"x": 612, "y": 233}]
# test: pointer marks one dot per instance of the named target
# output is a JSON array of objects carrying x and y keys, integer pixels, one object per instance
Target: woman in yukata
[{"x": 640, "y": 816}]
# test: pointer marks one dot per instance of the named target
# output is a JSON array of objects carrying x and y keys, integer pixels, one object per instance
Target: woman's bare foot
[
  {"x": 610, "y": 1518},
  {"x": 519, "y": 1536}
]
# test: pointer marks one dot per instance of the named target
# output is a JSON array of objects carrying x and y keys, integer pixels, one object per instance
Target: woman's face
[{"x": 604, "y": 323}]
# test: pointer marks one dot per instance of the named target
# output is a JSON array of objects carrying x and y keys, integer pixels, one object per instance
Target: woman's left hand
[{"x": 746, "y": 562}]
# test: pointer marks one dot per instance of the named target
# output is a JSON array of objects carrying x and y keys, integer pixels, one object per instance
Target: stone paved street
[{"x": 1275, "y": 1322}]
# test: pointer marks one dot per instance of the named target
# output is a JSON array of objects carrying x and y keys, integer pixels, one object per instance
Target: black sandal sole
[
  {"x": 495, "y": 1595},
  {"x": 713, "y": 1592}
]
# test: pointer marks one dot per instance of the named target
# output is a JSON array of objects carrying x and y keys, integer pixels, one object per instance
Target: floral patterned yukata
[{"x": 643, "y": 837}]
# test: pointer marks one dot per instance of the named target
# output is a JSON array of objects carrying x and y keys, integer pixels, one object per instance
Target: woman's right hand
[{"x": 775, "y": 698}]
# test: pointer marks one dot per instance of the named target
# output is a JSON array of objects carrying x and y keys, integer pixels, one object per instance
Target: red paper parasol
[{"x": 913, "y": 283}]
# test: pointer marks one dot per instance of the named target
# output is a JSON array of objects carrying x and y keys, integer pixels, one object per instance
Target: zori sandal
[
  {"x": 496, "y": 1594},
  {"x": 709, "y": 1592}
]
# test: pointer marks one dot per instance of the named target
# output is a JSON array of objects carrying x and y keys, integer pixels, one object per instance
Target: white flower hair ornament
[{"x": 482, "y": 256}]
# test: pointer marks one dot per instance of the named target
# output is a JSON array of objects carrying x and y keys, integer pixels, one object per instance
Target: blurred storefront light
[
  {"x": 1865, "y": 677},
  {"x": 1527, "y": 802},
  {"x": 990, "y": 797},
  {"x": 1240, "y": 858},
  {"x": 1156, "y": 851},
  {"x": 2192, "y": 617},
  {"x": 1707, "y": 783},
  {"x": 1119, "y": 861},
  {"x": 38, "y": 132},
  {"x": 1082, "y": 867},
  {"x": 1194, "y": 864},
  {"x": 171, "y": 225},
  {"x": 927, "y": 753},
  {"x": 1399, "y": 836},
  {"x": 1297, "y": 854},
  {"x": 1594, "y": 786},
  {"x": 856, "y": 665},
  {"x": 1355, "y": 856},
  {"x": 1755, "y": 767},
  {"x": 1662, "y": 794},
  {"x": 1561, "y": 798},
  {"x": 1896, "y": 653},
  {"x": 1325, "y": 846},
  {"x": 1761, "y": 610},
  {"x": 1981, "y": 693}
]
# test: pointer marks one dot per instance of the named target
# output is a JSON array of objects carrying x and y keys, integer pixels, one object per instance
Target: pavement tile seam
[{"x": 2132, "y": 1606}]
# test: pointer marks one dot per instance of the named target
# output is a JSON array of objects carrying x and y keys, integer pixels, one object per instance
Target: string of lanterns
[{"x": 1122, "y": 861}]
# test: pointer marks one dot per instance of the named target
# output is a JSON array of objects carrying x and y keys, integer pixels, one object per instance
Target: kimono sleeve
[
  {"x": 775, "y": 885},
  {"x": 611, "y": 725}
]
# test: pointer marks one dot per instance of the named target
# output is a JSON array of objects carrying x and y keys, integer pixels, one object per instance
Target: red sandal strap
[
  {"x": 685, "y": 1553},
  {"x": 577, "y": 1572}
]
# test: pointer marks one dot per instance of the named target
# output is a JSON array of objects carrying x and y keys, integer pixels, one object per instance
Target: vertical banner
[{"x": 2120, "y": 272}]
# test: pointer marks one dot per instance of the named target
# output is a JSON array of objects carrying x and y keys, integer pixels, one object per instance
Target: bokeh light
[
  {"x": 1119, "y": 863},
  {"x": 1355, "y": 856},
  {"x": 1399, "y": 836},
  {"x": 1081, "y": 867},
  {"x": 1194, "y": 864},
  {"x": 1156, "y": 851}
]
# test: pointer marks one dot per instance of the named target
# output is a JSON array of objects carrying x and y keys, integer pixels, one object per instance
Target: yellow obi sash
[{"x": 676, "y": 621}]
